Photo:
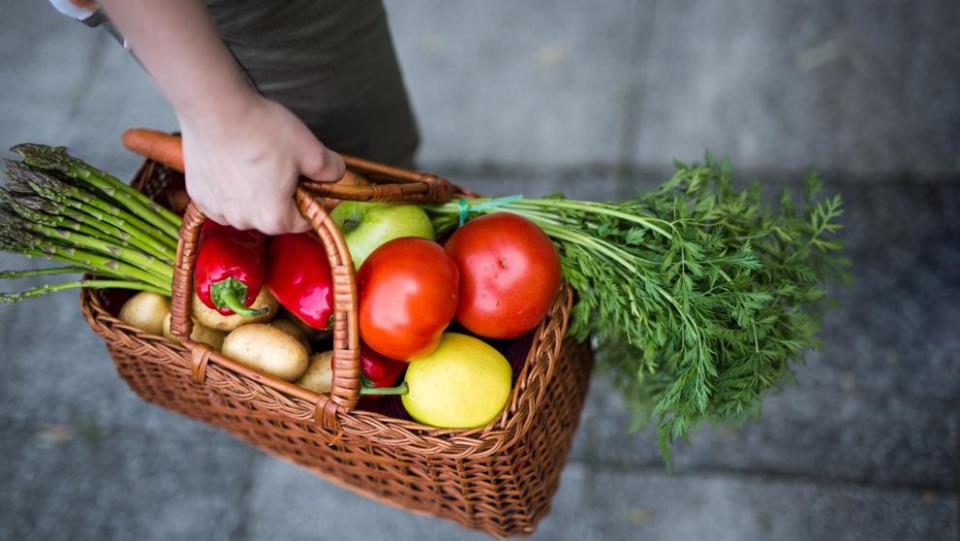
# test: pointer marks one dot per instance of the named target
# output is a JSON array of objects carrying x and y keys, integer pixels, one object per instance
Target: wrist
[{"x": 215, "y": 112}]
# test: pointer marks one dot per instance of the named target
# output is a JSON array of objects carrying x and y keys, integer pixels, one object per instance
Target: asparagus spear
[
  {"x": 21, "y": 178},
  {"x": 147, "y": 263},
  {"x": 39, "y": 210},
  {"x": 56, "y": 159},
  {"x": 91, "y": 222},
  {"x": 31, "y": 245},
  {"x": 67, "y": 231},
  {"x": 13, "y": 214},
  {"x": 17, "y": 274},
  {"x": 10, "y": 298}
]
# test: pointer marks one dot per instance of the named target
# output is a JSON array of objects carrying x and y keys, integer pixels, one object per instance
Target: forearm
[
  {"x": 243, "y": 154},
  {"x": 177, "y": 44}
]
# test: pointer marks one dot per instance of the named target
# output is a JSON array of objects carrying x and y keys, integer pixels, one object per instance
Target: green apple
[{"x": 366, "y": 226}]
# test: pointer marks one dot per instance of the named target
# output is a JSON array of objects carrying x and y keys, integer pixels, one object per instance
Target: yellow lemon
[{"x": 463, "y": 383}]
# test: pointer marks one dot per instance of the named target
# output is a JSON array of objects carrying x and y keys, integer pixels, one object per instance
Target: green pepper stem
[
  {"x": 229, "y": 299},
  {"x": 398, "y": 390}
]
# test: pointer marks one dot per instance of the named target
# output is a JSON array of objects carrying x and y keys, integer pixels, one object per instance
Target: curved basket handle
[
  {"x": 345, "y": 391},
  {"x": 365, "y": 180},
  {"x": 400, "y": 184}
]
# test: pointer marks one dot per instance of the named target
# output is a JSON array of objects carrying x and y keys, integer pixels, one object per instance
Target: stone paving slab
[
  {"x": 56, "y": 370},
  {"x": 895, "y": 329},
  {"x": 465, "y": 64},
  {"x": 838, "y": 85},
  {"x": 761, "y": 82},
  {"x": 128, "y": 484},
  {"x": 656, "y": 506},
  {"x": 66, "y": 84},
  {"x": 84, "y": 482},
  {"x": 804, "y": 432},
  {"x": 622, "y": 504}
]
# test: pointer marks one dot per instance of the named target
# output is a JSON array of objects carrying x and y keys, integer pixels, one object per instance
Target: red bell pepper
[
  {"x": 230, "y": 269},
  {"x": 299, "y": 277}
]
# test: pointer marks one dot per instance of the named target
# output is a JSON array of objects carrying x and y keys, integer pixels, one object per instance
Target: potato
[
  {"x": 210, "y": 318},
  {"x": 268, "y": 350},
  {"x": 200, "y": 334},
  {"x": 309, "y": 332},
  {"x": 145, "y": 311},
  {"x": 292, "y": 329},
  {"x": 319, "y": 375}
]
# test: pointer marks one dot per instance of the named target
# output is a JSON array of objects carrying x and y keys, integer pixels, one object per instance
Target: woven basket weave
[{"x": 499, "y": 479}]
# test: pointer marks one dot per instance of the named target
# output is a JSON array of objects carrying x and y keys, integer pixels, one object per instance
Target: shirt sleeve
[{"x": 80, "y": 10}]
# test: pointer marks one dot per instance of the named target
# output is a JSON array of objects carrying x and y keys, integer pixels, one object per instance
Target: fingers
[
  {"x": 259, "y": 194},
  {"x": 215, "y": 216},
  {"x": 276, "y": 216},
  {"x": 320, "y": 163}
]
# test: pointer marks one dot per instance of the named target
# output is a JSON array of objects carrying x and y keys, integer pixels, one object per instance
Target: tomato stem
[{"x": 398, "y": 390}]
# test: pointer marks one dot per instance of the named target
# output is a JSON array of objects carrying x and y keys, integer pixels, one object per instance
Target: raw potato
[
  {"x": 200, "y": 334},
  {"x": 319, "y": 375},
  {"x": 292, "y": 329},
  {"x": 145, "y": 311},
  {"x": 210, "y": 318},
  {"x": 307, "y": 330},
  {"x": 267, "y": 349}
]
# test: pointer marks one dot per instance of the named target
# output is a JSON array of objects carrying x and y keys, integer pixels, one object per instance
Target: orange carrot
[{"x": 156, "y": 145}]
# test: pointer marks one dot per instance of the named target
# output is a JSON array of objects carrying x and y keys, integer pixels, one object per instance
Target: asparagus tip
[{"x": 42, "y": 156}]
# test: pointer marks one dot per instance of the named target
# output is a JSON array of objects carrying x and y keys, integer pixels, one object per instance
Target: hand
[
  {"x": 243, "y": 154},
  {"x": 242, "y": 168}
]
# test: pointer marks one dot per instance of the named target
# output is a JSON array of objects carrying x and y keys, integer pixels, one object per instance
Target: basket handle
[
  {"x": 400, "y": 184},
  {"x": 365, "y": 180},
  {"x": 345, "y": 391}
]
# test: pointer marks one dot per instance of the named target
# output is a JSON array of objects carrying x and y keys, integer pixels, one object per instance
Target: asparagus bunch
[{"x": 58, "y": 208}]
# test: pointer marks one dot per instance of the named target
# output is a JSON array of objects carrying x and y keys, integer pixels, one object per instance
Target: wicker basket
[{"x": 499, "y": 479}]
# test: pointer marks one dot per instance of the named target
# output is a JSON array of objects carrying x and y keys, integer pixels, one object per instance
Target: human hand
[
  {"x": 243, "y": 162},
  {"x": 243, "y": 153}
]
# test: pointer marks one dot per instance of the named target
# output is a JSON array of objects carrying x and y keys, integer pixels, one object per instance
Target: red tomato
[
  {"x": 509, "y": 274},
  {"x": 408, "y": 296}
]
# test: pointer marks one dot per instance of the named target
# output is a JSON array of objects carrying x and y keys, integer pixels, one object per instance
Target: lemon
[{"x": 463, "y": 383}]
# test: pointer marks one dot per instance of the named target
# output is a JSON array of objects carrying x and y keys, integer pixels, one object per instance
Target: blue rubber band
[{"x": 466, "y": 207}]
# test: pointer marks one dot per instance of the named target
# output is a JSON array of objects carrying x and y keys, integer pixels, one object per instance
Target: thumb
[{"x": 321, "y": 164}]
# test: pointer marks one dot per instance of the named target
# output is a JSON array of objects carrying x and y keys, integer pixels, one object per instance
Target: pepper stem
[
  {"x": 398, "y": 390},
  {"x": 228, "y": 293}
]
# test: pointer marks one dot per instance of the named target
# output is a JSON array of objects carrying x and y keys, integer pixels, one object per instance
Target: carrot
[
  {"x": 166, "y": 148},
  {"x": 156, "y": 145}
]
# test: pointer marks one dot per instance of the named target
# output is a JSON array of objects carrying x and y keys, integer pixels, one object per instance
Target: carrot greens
[{"x": 699, "y": 296}]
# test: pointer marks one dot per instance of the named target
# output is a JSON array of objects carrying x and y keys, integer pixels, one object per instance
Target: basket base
[{"x": 512, "y": 489}]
